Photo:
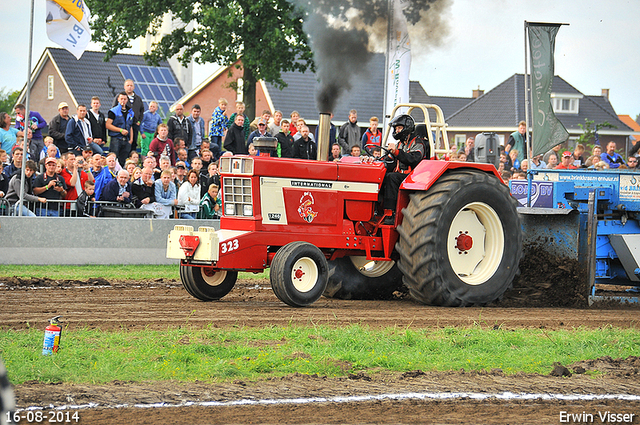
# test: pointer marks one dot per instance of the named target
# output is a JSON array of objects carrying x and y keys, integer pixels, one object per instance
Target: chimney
[
  {"x": 605, "y": 93},
  {"x": 477, "y": 93}
]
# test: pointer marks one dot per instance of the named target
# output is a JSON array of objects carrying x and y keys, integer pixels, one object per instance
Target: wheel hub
[
  {"x": 476, "y": 243},
  {"x": 304, "y": 274},
  {"x": 213, "y": 277},
  {"x": 464, "y": 242}
]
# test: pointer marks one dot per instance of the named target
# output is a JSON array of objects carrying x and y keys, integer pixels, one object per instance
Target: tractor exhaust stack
[{"x": 324, "y": 127}]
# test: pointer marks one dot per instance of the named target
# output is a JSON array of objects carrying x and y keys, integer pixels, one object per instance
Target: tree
[
  {"x": 266, "y": 35},
  {"x": 8, "y": 100},
  {"x": 589, "y": 132}
]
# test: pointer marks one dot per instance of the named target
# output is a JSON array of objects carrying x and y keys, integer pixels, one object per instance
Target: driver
[{"x": 401, "y": 159}]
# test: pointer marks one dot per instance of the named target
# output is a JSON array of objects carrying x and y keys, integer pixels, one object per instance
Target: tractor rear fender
[{"x": 429, "y": 171}]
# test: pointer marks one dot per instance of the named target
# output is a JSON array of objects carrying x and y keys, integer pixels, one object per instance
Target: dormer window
[{"x": 565, "y": 103}]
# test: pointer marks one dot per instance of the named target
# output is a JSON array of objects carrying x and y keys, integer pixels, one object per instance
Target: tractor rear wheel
[
  {"x": 206, "y": 283},
  {"x": 460, "y": 241},
  {"x": 299, "y": 274},
  {"x": 356, "y": 278}
]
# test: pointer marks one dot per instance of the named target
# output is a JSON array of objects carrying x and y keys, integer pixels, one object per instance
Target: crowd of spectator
[
  {"x": 511, "y": 167},
  {"x": 131, "y": 158}
]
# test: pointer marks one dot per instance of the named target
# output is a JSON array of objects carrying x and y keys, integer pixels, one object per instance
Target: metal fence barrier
[{"x": 67, "y": 208}]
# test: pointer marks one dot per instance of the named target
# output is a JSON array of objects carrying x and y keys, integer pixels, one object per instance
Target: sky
[{"x": 599, "y": 49}]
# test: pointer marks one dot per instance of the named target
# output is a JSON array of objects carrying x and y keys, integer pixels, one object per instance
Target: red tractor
[{"x": 456, "y": 240}]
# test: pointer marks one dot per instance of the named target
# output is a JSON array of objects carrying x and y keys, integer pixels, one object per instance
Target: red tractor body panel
[{"x": 328, "y": 204}]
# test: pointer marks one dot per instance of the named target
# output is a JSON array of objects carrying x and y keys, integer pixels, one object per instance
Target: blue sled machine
[{"x": 592, "y": 217}]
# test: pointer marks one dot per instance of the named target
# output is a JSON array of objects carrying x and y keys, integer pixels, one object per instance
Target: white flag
[
  {"x": 399, "y": 51},
  {"x": 68, "y": 25}
]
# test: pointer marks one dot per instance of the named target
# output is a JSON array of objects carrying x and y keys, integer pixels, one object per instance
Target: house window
[
  {"x": 565, "y": 104},
  {"x": 239, "y": 90},
  {"x": 50, "y": 87},
  {"x": 460, "y": 140}
]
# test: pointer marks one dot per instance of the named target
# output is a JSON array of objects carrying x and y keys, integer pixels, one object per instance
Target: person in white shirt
[{"x": 189, "y": 195}]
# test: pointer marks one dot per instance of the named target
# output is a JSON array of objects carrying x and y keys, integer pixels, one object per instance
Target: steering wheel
[{"x": 387, "y": 157}]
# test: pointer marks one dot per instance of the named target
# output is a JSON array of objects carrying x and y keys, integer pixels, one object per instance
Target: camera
[{"x": 58, "y": 184}]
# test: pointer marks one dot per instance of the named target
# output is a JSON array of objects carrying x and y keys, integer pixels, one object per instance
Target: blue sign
[{"x": 541, "y": 193}]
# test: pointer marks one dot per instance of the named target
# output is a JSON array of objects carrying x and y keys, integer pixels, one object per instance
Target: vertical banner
[
  {"x": 399, "y": 51},
  {"x": 68, "y": 25},
  {"x": 547, "y": 130}
]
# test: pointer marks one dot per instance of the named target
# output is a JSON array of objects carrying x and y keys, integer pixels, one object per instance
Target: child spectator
[
  {"x": 211, "y": 204},
  {"x": 372, "y": 136},
  {"x": 130, "y": 166},
  {"x": 162, "y": 145},
  {"x": 48, "y": 142},
  {"x": 136, "y": 174},
  {"x": 135, "y": 157},
  {"x": 252, "y": 150},
  {"x": 578, "y": 158},
  {"x": 82, "y": 203},
  {"x": 150, "y": 122},
  {"x": 293, "y": 127},
  {"x": 513, "y": 155},
  {"x": 219, "y": 123}
]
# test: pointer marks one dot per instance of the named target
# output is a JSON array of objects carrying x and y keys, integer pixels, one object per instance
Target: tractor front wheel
[
  {"x": 356, "y": 278},
  {"x": 461, "y": 241},
  {"x": 206, "y": 283},
  {"x": 299, "y": 274}
]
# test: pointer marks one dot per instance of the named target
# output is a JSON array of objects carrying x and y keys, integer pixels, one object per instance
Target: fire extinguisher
[{"x": 52, "y": 336}]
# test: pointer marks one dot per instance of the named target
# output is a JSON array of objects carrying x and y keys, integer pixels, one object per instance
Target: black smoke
[{"x": 345, "y": 34}]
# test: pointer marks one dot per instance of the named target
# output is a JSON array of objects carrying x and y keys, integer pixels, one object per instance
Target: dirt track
[{"x": 156, "y": 305}]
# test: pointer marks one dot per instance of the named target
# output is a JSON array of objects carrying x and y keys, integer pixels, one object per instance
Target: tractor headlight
[
  {"x": 230, "y": 209},
  {"x": 247, "y": 210}
]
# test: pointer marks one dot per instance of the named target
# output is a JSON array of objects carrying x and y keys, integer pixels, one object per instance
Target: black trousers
[
  {"x": 136, "y": 129},
  {"x": 389, "y": 191}
]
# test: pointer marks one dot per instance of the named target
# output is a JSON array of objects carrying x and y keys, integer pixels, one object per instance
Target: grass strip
[
  {"x": 109, "y": 272},
  {"x": 212, "y": 354}
]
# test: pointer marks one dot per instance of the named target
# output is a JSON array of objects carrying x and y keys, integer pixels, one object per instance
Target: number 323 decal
[{"x": 229, "y": 246}]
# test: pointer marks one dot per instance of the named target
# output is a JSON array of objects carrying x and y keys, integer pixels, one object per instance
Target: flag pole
[
  {"x": 529, "y": 153},
  {"x": 25, "y": 146},
  {"x": 386, "y": 68}
]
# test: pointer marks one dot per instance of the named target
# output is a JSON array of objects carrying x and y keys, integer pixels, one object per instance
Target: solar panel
[{"x": 153, "y": 83}]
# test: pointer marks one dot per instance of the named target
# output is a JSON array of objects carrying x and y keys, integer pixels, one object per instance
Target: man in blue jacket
[{"x": 119, "y": 123}]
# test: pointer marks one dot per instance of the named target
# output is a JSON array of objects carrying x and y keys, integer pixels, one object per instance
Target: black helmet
[{"x": 407, "y": 123}]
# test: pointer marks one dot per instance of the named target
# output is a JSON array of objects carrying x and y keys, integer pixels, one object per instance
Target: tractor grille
[{"x": 237, "y": 196}]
